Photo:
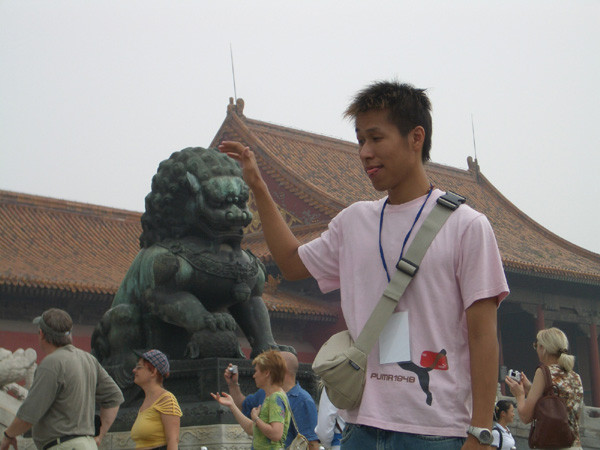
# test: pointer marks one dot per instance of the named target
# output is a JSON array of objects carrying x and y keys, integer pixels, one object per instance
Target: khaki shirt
[{"x": 66, "y": 387}]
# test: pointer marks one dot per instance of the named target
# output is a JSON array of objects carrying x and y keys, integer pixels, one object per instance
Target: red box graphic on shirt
[{"x": 428, "y": 359}]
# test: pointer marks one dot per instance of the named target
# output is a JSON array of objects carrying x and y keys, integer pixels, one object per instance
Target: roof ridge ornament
[
  {"x": 473, "y": 166},
  {"x": 237, "y": 107}
]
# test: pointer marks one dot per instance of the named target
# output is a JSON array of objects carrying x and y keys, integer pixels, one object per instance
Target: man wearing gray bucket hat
[{"x": 66, "y": 387}]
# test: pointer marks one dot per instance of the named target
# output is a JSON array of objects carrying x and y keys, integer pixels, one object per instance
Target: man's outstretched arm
[{"x": 282, "y": 243}]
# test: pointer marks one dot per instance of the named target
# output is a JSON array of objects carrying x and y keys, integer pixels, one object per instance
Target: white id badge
[{"x": 394, "y": 340}]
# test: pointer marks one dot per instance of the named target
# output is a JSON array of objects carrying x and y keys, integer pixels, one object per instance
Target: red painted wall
[{"x": 13, "y": 340}]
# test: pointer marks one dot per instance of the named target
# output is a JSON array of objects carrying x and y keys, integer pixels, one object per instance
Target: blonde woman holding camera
[{"x": 552, "y": 347}]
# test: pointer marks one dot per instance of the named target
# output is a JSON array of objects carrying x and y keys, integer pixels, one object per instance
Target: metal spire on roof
[
  {"x": 475, "y": 149},
  {"x": 233, "y": 72}
]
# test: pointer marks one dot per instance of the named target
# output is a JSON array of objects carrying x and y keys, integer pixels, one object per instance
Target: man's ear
[{"x": 417, "y": 135}]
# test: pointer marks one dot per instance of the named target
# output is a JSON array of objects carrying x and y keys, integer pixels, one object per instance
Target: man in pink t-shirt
[{"x": 434, "y": 388}]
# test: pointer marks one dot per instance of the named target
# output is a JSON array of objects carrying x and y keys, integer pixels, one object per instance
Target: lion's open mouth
[{"x": 230, "y": 238}]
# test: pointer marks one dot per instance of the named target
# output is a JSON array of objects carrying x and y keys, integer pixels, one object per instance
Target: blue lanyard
[{"x": 387, "y": 274}]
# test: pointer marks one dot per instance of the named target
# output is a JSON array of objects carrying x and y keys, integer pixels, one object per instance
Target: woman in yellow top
[
  {"x": 157, "y": 423},
  {"x": 269, "y": 422}
]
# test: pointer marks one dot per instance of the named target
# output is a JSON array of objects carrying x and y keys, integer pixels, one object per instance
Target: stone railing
[
  {"x": 14, "y": 368},
  {"x": 209, "y": 437}
]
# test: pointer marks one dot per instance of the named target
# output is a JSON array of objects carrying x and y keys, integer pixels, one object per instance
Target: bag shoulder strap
[
  {"x": 548, "y": 385},
  {"x": 294, "y": 420},
  {"x": 499, "y": 430},
  {"x": 407, "y": 267},
  {"x": 292, "y": 414}
]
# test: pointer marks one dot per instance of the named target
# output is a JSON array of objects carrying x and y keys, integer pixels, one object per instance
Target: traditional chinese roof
[{"x": 53, "y": 245}]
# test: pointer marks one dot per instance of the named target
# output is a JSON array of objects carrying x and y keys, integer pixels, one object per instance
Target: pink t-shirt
[{"x": 462, "y": 266}]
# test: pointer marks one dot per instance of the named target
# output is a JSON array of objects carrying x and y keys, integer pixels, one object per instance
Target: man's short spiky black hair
[{"x": 408, "y": 107}]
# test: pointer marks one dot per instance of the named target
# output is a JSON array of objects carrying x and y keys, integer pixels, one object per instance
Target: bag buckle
[
  {"x": 354, "y": 365},
  {"x": 451, "y": 200},
  {"x": 408, "y": 267}
]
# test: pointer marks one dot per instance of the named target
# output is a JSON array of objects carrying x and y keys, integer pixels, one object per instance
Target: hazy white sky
[{"x": 93, "y": 95}]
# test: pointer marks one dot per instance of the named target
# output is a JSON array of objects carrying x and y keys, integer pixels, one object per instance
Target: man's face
[{"x": 390, "y": 160}]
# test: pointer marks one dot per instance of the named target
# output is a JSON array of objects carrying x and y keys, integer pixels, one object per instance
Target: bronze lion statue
[{"x": 191, "y": 284}]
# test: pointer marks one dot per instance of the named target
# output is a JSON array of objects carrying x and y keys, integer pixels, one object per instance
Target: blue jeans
[{"x": 362, "y": 437}]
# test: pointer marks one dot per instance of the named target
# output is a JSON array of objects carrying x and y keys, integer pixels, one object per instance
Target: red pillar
[
  {"x": 539, "y": 322},
  {"x": 594, "y": 366}
]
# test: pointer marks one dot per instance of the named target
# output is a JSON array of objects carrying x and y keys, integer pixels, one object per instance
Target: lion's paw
[
  {"x": 210, "y": 322},
  {"x": 225, "y": 321}
]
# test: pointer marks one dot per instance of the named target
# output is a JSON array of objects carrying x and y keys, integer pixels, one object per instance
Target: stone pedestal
[{"x": 213, "y": 437}]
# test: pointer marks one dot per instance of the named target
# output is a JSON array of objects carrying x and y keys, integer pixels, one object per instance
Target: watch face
[{"x": 485, "y": 437}]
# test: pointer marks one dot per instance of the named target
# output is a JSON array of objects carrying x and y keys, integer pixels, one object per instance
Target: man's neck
[
  {"x": 288, "y": 384},
  {"x": 409, "y": 189},
  {"x": 48, "y": 348}
]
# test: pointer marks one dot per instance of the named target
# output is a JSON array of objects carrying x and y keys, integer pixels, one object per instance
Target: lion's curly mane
[{"x": 170, "y": 190}]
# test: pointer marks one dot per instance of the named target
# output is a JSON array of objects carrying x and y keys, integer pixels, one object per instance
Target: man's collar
[{"x": 294, "y": 390}]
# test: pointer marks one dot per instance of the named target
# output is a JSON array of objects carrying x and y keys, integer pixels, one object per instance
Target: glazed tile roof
[
  {"x": 282, "y": 303},
  {"x": 55, "y": 244},
  {"x": 330, "y": 166}
]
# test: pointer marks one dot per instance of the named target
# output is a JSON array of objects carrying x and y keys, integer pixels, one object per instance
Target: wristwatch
[{"x": 483, "y": 435}]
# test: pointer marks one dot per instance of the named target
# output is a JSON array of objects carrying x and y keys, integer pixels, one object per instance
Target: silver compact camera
[
  {"x": 515, "y": 375},
  {"x": 233, "y": 369}
]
